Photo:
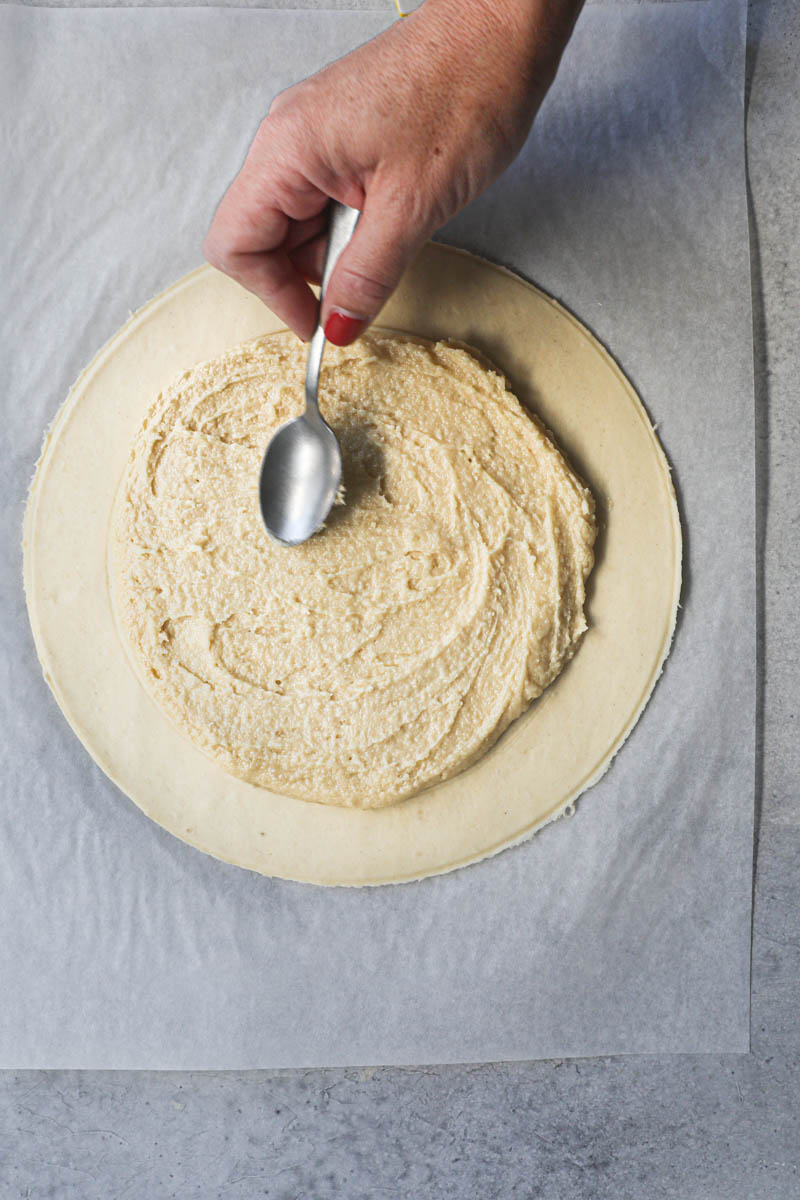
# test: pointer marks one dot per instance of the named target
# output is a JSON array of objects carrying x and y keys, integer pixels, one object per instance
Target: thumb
[{"x": 369, "y": 269}]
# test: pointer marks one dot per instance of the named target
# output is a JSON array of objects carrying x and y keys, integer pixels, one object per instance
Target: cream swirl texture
[{"x": 392, "y": 649}]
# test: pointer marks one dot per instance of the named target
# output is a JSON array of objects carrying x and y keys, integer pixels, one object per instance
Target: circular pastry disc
[{"x": 548, "y": 756}]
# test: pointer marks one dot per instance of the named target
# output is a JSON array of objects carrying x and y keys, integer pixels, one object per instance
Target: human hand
[{"x": 408, "y": 128}]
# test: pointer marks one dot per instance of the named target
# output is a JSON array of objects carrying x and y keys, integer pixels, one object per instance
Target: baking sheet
[{"x": 623, "y": 929}]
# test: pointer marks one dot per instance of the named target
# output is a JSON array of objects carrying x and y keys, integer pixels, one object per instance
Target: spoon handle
[{"x": 342, "y": 227}]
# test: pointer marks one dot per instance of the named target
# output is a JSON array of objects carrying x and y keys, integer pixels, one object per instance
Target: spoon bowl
[{"x": 300, "y": 476}]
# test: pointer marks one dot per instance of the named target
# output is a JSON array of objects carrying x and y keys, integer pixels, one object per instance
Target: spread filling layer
[{"x": 392, "y": 649}]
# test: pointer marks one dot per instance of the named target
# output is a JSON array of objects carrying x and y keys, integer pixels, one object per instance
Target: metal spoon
[{"x": 302, "y": 468}]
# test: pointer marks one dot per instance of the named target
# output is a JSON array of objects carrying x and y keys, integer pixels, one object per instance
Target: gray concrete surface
[{"x": 691, "y": 1127}]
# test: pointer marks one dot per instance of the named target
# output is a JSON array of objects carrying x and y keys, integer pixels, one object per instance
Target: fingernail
[{"x": 342, "y": 328}]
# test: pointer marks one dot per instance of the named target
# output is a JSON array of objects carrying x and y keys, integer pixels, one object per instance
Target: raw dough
[
  {"x": 393, "y": 648},
  {"x": 555, "y": 750}
]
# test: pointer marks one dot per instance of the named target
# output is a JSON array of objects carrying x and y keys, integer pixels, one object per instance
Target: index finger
[{"x": 251, "y": 236}]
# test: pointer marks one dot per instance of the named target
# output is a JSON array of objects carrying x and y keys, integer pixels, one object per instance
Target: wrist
[{"x": 529, "y": 34}]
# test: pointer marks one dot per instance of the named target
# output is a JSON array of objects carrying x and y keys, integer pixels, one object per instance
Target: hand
[{"x": 408, "y": 128}]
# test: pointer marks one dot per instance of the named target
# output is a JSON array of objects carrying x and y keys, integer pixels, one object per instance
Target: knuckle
[
  {"x": 292, "y": 121},
  {"x": 280, "y": 101},
  {"x": 211, "y": 251},
  {"x": 216, "y": 253},
  {"x": 370, "y": 288}
]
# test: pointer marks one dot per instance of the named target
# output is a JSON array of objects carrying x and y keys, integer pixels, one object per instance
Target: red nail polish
[{"x": 342, "y": 329}]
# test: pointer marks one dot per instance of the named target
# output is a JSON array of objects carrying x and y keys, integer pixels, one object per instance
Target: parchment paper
[{"x": 623, "y": 929}]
